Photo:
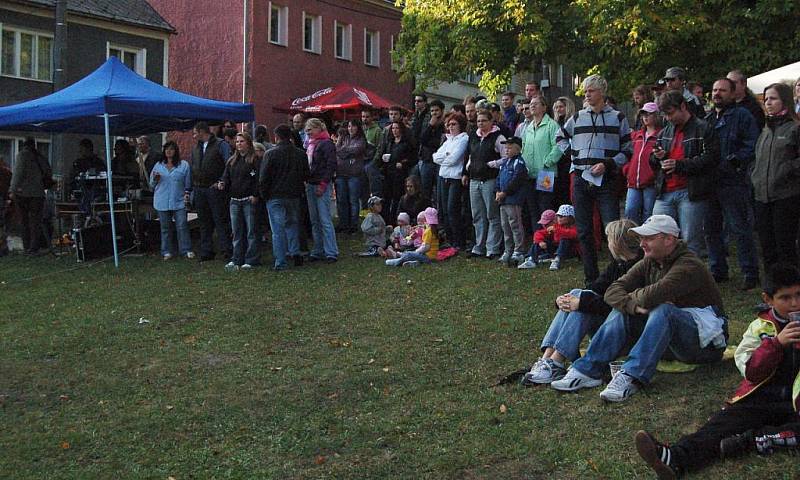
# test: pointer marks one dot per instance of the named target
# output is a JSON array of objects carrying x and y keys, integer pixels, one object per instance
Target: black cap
[{"x": 514, "y": 140}]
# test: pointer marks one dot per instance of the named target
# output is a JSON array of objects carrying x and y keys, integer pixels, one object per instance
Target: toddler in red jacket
[{"x": 558, "y": 236}]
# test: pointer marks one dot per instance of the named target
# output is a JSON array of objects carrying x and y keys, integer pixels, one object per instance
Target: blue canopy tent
[{"x": 113, "y": 100}]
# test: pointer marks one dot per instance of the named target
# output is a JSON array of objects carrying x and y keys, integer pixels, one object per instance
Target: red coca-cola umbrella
[{"x": 342, "y": 97}]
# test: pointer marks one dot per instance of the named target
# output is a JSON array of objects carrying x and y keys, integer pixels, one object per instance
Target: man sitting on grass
[
  {"x": 762, "y": 415},
  {"x": 669, "y": 301}
]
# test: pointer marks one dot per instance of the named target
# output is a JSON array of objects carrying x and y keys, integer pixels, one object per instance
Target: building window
[
  {"x": 312, "y": 33},
  {"x": 11, "y": 146},
  {"x": 278, "y": 21},
  {"x": 344, "y": 40},
  {"x": 372, "y": 48},
  {"x": 26, "y": 54},
  {"x": 472, "y": 77},
  {"x": 133, "y": 58}
]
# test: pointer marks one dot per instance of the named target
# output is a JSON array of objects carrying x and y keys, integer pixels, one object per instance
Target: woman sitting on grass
[
  {"x": 425, "y": 253},
  {"x": 583, "y": 311}
]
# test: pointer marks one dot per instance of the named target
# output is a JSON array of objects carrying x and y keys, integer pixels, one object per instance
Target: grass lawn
[{"x": 353, "y": 370}]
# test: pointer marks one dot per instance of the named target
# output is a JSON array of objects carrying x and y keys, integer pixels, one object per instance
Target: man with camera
[{"x": 684, "y": 161}]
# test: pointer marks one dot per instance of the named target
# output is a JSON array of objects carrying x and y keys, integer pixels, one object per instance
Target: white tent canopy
[{"x": 785, "y": 74}]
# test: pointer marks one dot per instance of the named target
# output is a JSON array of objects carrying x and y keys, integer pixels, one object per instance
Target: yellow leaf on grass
[
  {"x": 64, "y": 445},
  {"x": 503, "y": 408}
]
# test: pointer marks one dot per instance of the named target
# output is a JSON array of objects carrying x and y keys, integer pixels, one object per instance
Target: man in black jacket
[
  {"x": 684, "y": 161},
  {"x": 429, "y": 142},
  {"x": 746, "y": 99},
  {"x": 208, "y": 164},
  {"x": 283, "y": 171}
]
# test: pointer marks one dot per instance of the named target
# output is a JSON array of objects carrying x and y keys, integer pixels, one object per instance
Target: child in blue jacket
[{"x": 510, "y": 191}]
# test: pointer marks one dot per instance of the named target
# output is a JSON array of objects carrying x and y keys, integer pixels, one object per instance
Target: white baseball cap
[{"x": 658, "y": 224}]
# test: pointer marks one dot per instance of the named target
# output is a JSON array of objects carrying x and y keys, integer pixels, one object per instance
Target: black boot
[{"x": 737, "y": 445}]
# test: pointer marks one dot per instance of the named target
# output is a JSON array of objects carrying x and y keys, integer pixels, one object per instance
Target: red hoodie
[
  {"x": 560, "y": 232},
  {"x": 638, "y": 171}
]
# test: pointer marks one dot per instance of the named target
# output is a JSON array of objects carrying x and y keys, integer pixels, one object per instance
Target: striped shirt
[{"x": 596, "y": 137}]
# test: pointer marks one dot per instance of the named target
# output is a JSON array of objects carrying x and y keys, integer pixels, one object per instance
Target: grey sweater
[{"x": 374, "y": 228}]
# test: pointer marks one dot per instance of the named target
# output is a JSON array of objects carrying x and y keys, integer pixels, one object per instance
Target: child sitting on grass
[
  {"x": 427, "y": 251},
  {"x": 762, "y": 415},
  {"x": 548, "y": 218},
  {"x": 560, "y": 237},
  {"x": 374, "y": 228},
  {"x": 404, "y": 236}
]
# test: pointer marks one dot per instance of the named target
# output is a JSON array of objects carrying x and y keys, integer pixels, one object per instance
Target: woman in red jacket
[{"x": 641, "y": 180}]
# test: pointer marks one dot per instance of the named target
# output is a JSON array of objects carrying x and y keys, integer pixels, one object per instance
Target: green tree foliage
[{"x": 628, "y": 41}]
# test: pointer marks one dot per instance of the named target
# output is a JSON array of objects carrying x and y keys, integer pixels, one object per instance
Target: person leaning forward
[{"x": 669, "y": 301}]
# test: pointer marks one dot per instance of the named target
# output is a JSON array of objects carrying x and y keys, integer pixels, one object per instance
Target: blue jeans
[
  {"x": 450, "y": 191},
  {"x": 181, "y": 226},
  {"x": 319, "y": 211},
  {"x": 731, "y": 208},
  {"x": 283, "y": 221},
  {"x": 414, "y": 257},
  {"x": 639, "y": 204},
  {"x": 428, "y": 173},
  {"x": 485, "y": 217},
  {"x": 210, "y": 206},
  {"x": 667, "y": 327},
  {"x": 585, "y": 195},
  {"x": 568, "y": 329},
  {"x": 348, "y": 193},
  {"x": 564, "y": 250},
  {"x": 688, "y": 214},
  {"x": 243, "y": 221},
  {"x": 376, "y": 178}
]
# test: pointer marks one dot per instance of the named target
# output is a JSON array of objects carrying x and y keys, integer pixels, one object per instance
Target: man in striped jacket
[{"x": 600, "y": 139}]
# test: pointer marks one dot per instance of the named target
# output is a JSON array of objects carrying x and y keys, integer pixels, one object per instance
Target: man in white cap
[{"x": 668, "y": 301}]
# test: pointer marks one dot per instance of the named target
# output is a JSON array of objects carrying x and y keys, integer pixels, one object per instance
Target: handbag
[{"x": 47, "y": 179}]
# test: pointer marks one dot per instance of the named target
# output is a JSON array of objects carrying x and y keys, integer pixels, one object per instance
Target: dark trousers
[
  {"x": 211, "y": 209},
  {"x": 701, "y": 448},
  {"x": 30, "y": 209},
  {"x": 586, "y": 196},
  {"x": 776, "y": 224},
  {"x": 450, "y": 191},
  {"x": 536, "y": 202},
  {"x": 393, "y": 188},
  {"x": 731, "y": 210}
]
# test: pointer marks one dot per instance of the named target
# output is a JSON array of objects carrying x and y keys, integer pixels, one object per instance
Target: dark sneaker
[
  {"x": 737, "y": 445},
  {"x": 298, "y": 260},
  {"x": 657, "y": 455}
]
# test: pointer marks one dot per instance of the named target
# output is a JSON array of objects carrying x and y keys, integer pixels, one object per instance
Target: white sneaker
[
  {"x": 556, "y": 264},
  {"x": 167, "y": 257},
  {"x": 231, "y": 267},
  {"x": 527, "y": 264},
  {"x": 575, "y": 380},
  {"x": 545, "y": 370},
  {"x": 190, "y": 255},
  {"x": 620, "y": 388},
  {"x": 393, "y": 262},
  {"x": 517, "y": 258},
  {"x": 246, "y": 266},
  {"x": 505, "y": 257},
  {"x": 411, "y": 263}
]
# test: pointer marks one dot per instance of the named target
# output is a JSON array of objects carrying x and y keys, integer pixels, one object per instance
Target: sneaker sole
[
  {"x": 577, "y": 384},
  {"x": 649, "y": 453}
]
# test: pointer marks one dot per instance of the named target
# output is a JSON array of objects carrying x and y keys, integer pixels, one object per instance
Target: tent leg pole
[{"x": 111, "y": 191}]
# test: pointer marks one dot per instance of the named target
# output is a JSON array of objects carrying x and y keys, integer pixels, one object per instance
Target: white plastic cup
[
  {"x": 615, "y": 367},
  {"x": 386, "y": 157}
]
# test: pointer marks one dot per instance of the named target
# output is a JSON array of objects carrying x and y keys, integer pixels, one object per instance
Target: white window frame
[
  {"x": 394, "y": 66},
  {"x": 141, "y": 56},
  {"x": 283, "y": 22},
  {"x": 376, "y": 48},
  {"x": 17, "y": 52},
  {"x": 15, "y": 148},
  {"x": 347, "y": 47},
  {"x": 316, "y": 33},
  {"x": 560, "y": 78}
]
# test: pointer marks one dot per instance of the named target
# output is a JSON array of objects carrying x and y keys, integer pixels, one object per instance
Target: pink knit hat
[{"x": 431, "y": 216}]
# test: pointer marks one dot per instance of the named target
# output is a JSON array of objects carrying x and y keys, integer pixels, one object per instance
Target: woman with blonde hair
[
  {"x": 240, "y": 179},
  {"x": 583, "y": 311},
  {"x": 321, "y": 154},
  {"x": 563, "y": 108}
]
